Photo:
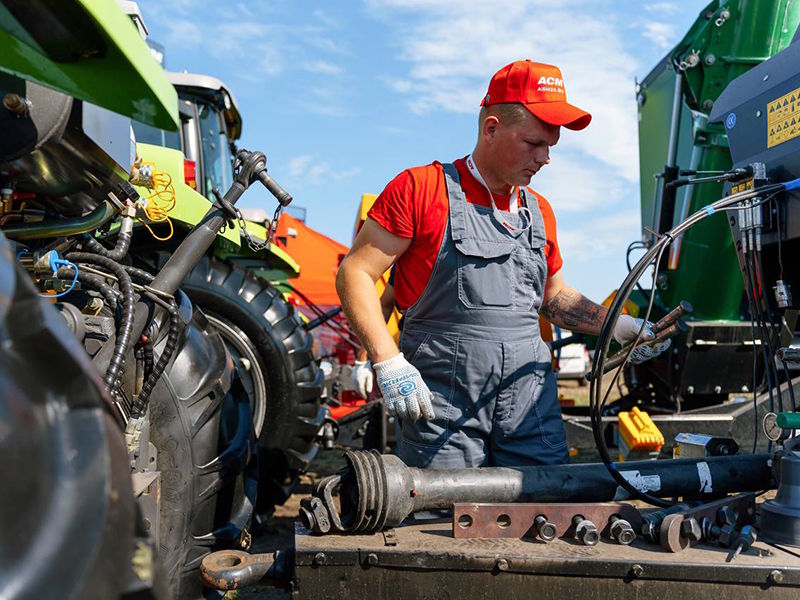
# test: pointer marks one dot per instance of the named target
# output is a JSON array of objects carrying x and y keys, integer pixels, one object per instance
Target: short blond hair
[{"x": 508, "y": 113}]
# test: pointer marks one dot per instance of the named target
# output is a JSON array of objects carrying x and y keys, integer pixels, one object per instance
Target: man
[{"x": 476, "y": 261}]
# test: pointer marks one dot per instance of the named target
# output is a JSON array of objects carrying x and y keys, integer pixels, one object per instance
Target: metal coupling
[
  {"x": 783, "y": 294},
  {"x": 585, "y": 531},
  {"x": 621, "y": 530},
  {"x": 547, "y": 530}
]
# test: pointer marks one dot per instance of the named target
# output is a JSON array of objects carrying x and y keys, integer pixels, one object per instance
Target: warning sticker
[
  {"x": 783, "y": 118},
  {"x": 742, "y": 187}
]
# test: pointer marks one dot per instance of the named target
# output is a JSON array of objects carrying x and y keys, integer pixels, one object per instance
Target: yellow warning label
[
  {"x": 783, "y": 118},
  {"x": 742, "y": 187}
]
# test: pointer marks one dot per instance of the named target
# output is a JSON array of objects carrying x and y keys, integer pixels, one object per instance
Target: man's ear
[{"x": 489, "y": 127}]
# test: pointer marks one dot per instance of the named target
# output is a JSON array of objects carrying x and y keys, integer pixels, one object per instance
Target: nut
[
  {"x": 690, "y": 529},
  {"x": 776, "y": 576},
  {"x": 372, "y": 559},
  {"x": 726, "y": 516},
  {"x": 501, "y": 564},
  {"x": 319, "y": 558},
  {"x": 637, "y": 570}
]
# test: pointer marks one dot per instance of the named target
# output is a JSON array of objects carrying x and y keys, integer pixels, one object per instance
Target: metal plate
[{"x": 515, "y": 520}]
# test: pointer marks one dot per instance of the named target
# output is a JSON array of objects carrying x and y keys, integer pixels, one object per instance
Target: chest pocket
[{"x": 500, "y": 274}]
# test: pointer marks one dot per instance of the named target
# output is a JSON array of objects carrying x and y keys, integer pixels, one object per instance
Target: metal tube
[
  {"x": 675, "y": 123},
  {"x": 63, "y": 227},
  {"x": 378, "y": 491}
]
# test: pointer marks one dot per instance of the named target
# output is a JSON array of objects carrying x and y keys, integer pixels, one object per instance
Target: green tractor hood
[{"x": 88, "y": 49}]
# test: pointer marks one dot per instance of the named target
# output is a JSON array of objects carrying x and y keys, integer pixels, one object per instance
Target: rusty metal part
[
  {"x": 683, "y": 308},
  {"x": 518, "y": 520},
  {"x": 730, "y": 513},
  {"x": 375, "y": 491},
  {"x": 234, "y": 569},
  {"x": 617, "y": 359},
  {"x": 428, "y": 562},
  {"x": 16, "y": 104}
]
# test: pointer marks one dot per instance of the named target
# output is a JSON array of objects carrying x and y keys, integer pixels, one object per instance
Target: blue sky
[{"x": 341, "y": 96}]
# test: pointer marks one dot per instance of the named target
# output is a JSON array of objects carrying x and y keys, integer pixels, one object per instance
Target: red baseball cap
[{"x": 538, "y": 87}]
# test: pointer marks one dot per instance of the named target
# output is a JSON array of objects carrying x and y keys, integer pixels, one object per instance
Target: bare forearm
[
  {"x": 572, "y": 310},
  {"x": 362, "y": 306}
]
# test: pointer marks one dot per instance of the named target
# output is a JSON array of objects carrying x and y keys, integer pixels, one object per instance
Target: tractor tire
[
  {"x": 259, "y": 325},
  {"x": 201, "y": 427}
]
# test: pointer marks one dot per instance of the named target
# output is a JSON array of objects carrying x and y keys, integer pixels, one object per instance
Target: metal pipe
[
  {"x": 63, "y": 227},
  {"x": 377, "y": 491},
  {"x": 675, "y": 123}
]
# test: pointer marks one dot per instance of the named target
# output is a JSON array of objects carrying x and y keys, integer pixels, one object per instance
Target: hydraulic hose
[
  {"x": 155, "y": 372},
  {"x": 63, "y": 227},
  {"x": 606, "y": 331},
  {"x": 117, "y": 254},
  {"x": 123, "y": 337},
  {"x": 140, "y": 404},
  {"x": 110, "y": 295}
]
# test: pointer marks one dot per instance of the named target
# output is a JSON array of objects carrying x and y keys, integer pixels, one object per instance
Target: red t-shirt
[{"x": 414, "y": 205}]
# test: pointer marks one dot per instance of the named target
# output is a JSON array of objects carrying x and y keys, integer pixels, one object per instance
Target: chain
[{"x": 254, "y": 245}]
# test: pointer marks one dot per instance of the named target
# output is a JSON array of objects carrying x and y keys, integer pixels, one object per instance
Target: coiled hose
[
  {"x": 123, "y": 339},
  {"x": 140, "y": 404},
  {"x": 117, "y": 254}
]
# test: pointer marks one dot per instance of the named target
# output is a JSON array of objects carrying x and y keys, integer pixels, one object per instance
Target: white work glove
[
  {"x": 361, "y": 377},
  {"x": 625, "y": 332},
  {"x": 404, "y": 391}
]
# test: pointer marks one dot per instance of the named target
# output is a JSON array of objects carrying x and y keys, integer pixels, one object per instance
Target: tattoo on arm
[{"x": 572, "y": 310}]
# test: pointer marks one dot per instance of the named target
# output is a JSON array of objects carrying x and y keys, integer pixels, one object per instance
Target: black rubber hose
[
  {"x": 140, "y": 404},
  {"x": 123, "y": 338},
  {"x": 117, "y": 254},
  {"x": 95, "y": 282},
  {"x": 147, "y": 354}
]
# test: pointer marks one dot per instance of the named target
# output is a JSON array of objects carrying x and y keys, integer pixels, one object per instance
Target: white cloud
[
  {"x": 661, "y": 7},
  {"x": 306, "y": 170},
  {"x": 452, "y": 48},
  {"x": 599, "y": 238},
  {"x": 662, "y": 34},
  {"x": 322, "y": 67}
]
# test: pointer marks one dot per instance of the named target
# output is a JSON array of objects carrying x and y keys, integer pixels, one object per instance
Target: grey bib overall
[{"x": 474, "y": 336}]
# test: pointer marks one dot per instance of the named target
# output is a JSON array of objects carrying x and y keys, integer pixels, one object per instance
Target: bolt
[
  {"x": 637, "y": 570},
  {"x": 776, "y": 576},
  {"x": 708, "y": 104},
  {"x": 726, "y": 516},
  {"x": 501, "y": 564},
  {"x": 621, "y": 530},
  {"x": 691, "y": 530},
  {"x": 319, "y": 558},
  {"x": 690, "y": 389},
  {"x": 94, "y": 304},
  {"x": 710, "y": 59},
  {"x": 147, "y": 524},
  {"x": 547, "y": 531},
  {"x": 585, "y": 531},
  {"x": 717, "y": 389},
  {"x": 372, "y": 559},
  {"x": 16, "y": 104}
]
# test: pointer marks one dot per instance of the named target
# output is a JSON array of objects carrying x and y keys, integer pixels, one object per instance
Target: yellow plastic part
[{"x": 638, "y": 432}]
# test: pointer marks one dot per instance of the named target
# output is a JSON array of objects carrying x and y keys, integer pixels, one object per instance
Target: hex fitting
[
  {"x": 585, "y": 531},
  {"x": 621, "y": 530},
  {"x": 691, "y": 530},
  {"x": 547, "y": 530}
]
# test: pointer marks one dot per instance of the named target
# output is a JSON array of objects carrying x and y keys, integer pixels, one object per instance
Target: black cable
[
  {"x": 140, "y": 404},
  {"x": 117, "y": 364},
  {"x": 606, "y": 330},
  {"x": 635, "y": 245},
  {"x": 119, "y": 251},
  {"x": 766, "y": 338},
  {"x": 95, "y": 282}
]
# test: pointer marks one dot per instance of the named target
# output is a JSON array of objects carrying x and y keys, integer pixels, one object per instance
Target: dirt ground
[{"x": 278, "y": 532}]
